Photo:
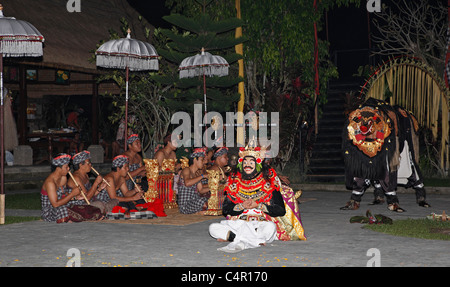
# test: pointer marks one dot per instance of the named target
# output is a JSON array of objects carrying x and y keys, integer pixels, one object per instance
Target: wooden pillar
[
  {"x": 22, "y": 109},
  {"x": 94, "y": 119}
]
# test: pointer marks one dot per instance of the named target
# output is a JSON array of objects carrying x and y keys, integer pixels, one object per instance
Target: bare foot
[{"x": 221, "y": 240}]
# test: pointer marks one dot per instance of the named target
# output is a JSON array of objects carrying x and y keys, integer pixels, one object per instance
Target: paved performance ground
[{"x": 332, "y": 241}]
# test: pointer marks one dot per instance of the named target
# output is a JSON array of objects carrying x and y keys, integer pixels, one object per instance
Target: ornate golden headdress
[
  {"x": 255, "y": 152},
  {"x": 252, "y": 150}
]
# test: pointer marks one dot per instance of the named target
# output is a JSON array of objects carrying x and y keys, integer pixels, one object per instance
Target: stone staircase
[{"x": 326, "y": 162}]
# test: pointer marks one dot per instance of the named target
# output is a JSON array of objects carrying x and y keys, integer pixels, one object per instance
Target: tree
[
  {"x": 279, "y": 56},
  {"x": 415, "y": 28},
  {"x": 187, "y": 38},
  {"x": 280, "y": 61}
]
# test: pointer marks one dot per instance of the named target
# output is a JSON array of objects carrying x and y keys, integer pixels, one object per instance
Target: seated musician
[
  {"x": 191, "y": 190},
  {"x": 117, "y": 188},
  {"x": 55, "y": 198},
  {"x": 253, "y": 198},
  {"x": 81, "y": 163},
  {"x": 220, "y": 159},
  {"x": 167, "y": 152},
  {"x": 209, "y": 159},
  {"x": 217, "y": 179},
  {"x": 137, "y": 168}
]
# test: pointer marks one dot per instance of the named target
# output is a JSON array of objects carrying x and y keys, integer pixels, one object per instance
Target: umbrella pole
[
  {"x": 2, "y": 151},
  {"x": 204, "y": 90},
  {"x": 204, "y": 99},
  {"x": 126, "y": 110}
]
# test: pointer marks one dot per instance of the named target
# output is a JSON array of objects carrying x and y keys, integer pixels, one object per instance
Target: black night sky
[
  {"x": 347, "y": 26},
  {"x": 152, "y": 10}
]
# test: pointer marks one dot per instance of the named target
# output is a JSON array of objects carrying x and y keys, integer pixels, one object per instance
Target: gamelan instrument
[
  {"x": 160, "y": 181},
  {"x": 216, "y": 186}
]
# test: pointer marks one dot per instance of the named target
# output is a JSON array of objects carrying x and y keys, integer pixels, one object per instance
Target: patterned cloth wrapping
[
  {"x": 220, "y": 151},
  {"x": 132, "y": 138},
  {"x": 189, "y": 200},
  {"x": 120, "y": 161},
  {"x": 198, "y": 152},
  {"x": 73, "y": 202},
  {"x": 80, "y": 157},
  {"x": 104, "y": 196},
  {"x": 289, "y": 226},
  {"x": 75, "y": 211},
  {"x": 50, "y": 213},
  {"x": 132, "y": 215},
  {"x": 61, "y": 160}
]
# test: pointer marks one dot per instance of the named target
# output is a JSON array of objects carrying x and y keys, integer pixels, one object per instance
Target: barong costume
[
  {"x": 371, "y": 152},
  {"x": 409, "y": 173}
]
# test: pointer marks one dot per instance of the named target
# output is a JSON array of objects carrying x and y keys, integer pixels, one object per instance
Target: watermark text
[{"x": 73, "y": 6}]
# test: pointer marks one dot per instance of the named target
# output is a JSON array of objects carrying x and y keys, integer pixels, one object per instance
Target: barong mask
[{"x": 367, "y": 129}]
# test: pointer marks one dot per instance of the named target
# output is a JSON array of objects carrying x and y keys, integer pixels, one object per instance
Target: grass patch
[
  {"x": 18, "y": 219},
  {"x": 30, "y": 201},
  {"x": 23, "y": 201},
  {"x": 439, "y": 182},
  {"x": 417, "y": 228}
]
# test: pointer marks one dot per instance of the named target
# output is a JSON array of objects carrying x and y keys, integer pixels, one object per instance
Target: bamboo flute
[
  {"x": 104, "y": 180},
  {"x": 79, "y": 187},
  {"x": 135, "y": 185}
]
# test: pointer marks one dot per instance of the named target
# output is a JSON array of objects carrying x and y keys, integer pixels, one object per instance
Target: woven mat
[{"x": 174, "y": 217}]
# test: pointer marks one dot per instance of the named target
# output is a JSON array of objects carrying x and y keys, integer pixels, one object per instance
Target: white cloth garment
[{"x": 249, "y": 234}]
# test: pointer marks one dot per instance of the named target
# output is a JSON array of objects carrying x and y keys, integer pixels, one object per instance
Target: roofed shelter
[{"x": 67, "y": 67}]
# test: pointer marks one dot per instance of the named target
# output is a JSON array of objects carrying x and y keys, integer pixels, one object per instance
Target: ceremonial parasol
[
  {"x": 203, "y": 64},
  {"x": 129, "y": 54},
  {"x": 17, "y": 39}
]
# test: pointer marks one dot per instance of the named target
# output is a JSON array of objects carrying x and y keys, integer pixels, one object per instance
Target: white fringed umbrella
[
  {"x": 17, "y": 39},
  {"x": 203, "y": 64},
  {"x": 129, "y": 54}
]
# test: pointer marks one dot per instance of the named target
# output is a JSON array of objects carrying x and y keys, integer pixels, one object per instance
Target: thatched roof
[{"x": 71, "y": 38}]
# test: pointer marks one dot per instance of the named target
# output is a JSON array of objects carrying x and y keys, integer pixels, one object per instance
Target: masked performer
[
  {"x": 370, "y": 146},
  {"x": 409, "y": 174},
  {"x": 55, "y": 197},
  {"x": 253, "y": 198}
]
